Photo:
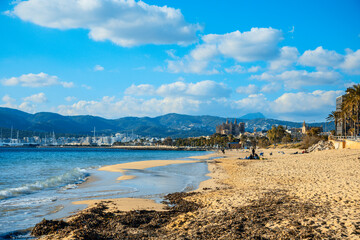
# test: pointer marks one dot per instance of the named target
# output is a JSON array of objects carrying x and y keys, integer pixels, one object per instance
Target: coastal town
[{"x": 179, "y": 120}]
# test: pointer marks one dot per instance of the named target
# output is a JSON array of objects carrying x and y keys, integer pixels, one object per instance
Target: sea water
[{"x": 37, "y": 183}]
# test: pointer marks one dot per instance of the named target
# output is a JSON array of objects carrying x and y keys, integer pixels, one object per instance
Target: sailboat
[{"x": 14, "y": 142}]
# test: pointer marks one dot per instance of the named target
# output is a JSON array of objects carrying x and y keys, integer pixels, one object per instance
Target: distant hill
[
  {"x": 251, "y": 116},
  {"x": 172, "y": 125}
]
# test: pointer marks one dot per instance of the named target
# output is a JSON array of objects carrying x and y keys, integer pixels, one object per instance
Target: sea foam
[{"x": 70, "y": 178}]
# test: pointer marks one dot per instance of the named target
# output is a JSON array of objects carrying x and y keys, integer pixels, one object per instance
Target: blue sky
[{"x": 115, "y": 58}]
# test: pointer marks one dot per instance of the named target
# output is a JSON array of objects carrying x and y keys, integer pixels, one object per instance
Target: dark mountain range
[{"x": 173, "y": 125}]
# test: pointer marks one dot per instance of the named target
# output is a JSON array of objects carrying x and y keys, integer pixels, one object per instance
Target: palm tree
[
  {"x": 334, "y": 116},
  {"x": 353, "y": 95},
  {"x": 350, "y": 110}
]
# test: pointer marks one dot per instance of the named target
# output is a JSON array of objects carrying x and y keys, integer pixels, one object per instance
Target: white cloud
[
  {"x": 321, "y": 58},
  {"x": 288, "y": 56},
  {"x": 240, "y": 69},
  {"x": 254, "y": 45},
  {"x": 250, "y": 89},
  {"x": 254, "y": 69},
  {"x": 10, "y": 102},
  {"x": 351, "y": 63},
  {"x": 190, "y": 65},
  {"x": 291, "y": 106},
  {"x": 36, "y": 98},
  {"x": 70, "y": 98},
  {"x": 98, "y": 68},
  {"x": 36, "y": 80},
  {"x": 171, "y": 53},
  {"x": 292, "y": 29},
  {"x": 236, "y": 69},
  {"x": 203, "y": 89},
  {"x": 124, "y": 22},
  {"x": 86, "y": 87},
  {"x": 270, "y": 88},
  {"x": 306, "y": 104},
  {"x": 140, "y": 90},
  {"x": 258, "y": 44},
  {"x": 253, "y": 103},
  {"x": 7, "y": 99},
  {"x": 27, "y": 107},
  {"x": 298, "y": 106},
  {"x": 130, "y": 106},
  {"x": 297, "y": 79},
  {"x": 67, "y": 84}
]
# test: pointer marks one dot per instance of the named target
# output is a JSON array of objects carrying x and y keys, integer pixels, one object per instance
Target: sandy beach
[{"x": 285, "y": 195}]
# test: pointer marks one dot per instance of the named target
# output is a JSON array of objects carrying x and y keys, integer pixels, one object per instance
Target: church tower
[{"x": 303, "y": 129}]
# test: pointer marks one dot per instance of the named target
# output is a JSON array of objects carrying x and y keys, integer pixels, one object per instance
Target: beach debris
[
  {"x": 321, "y": 146},
  {"x": 275, "y": 215},
  {"x": 98, "y": 223}
]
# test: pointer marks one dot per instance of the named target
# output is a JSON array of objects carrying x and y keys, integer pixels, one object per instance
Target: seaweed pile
[
  {"x": 97, "y": 223},
  {"x": 275, "y": 216}
]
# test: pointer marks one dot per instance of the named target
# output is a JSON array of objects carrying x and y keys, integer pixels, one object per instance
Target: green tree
[{"x": 276, "y": 134}]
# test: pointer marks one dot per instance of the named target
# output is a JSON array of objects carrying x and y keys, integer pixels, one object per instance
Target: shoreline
[
  {"x": 286, "y": 195},
  {"x": 128, "y": 204},
  {"x": 126, "y": 147}
]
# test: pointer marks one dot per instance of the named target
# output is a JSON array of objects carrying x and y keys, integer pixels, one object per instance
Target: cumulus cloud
[
  {"x": 288, "y": 56},
  {"x": 189, "y": 65},
  {"x": 70, "y": 98},
  {"x": 297, "y": 79},
  {"x": 305, "y": 104},
  {"x": 291, "y": 106},
  {"x": 124, "y": 22},
  {"x": 86, "y": 87},
  {"x": 271, "y": 88},
  {"x": 321, "y": 58},
  {"x": 240, "y": 69},
  {"x": 36, "y": 98},
  {"x": 254, "y": 45},
  {"x": 98, "y": 68},
  {"x": 27, "y": 107},
  {"x": 250, "y": 89},
  {"x": 140, "y": 90},
  {"x": 258, "y": 44},
  {"x": 351, "y": 62},
  {"x": 129, "y": 106},
  {"x": 10, "y": 102},
  {"x": 203, "y": 89},
  {"x": 254, "y": 69},
  {"x": 36, "y": 80}
]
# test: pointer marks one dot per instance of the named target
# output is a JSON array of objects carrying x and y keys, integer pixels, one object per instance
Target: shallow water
[{"x": 42, "y": 182}]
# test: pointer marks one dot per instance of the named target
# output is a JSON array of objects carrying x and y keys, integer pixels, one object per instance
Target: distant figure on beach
[
  {"x": 223, "y": 150},
  {"x": 253, "y": 151}
]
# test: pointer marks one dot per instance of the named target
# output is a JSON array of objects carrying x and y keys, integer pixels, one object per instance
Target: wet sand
[
  {"x": 125, "y": 204},
  {"x": 129, "y": 204},
  {"x": 284, "y": 196},
  {"x": 124, "y": 167}
]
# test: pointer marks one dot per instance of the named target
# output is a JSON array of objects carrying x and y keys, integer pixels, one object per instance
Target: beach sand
[
  {"x": 123, "y": 167},
  {"x": 284, "y": 196},
  {"x": 125, "y": 204}
]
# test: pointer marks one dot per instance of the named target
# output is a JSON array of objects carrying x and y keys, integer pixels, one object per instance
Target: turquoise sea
[{"x": 37, "y": 183}]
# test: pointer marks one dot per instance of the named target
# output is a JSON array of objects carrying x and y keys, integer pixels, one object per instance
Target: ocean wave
[{"x": 70, "y": 178}]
